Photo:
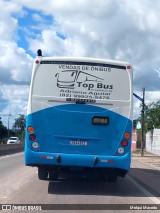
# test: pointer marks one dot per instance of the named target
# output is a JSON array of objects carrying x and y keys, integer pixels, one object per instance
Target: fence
[{"x": 153, "y": 141}]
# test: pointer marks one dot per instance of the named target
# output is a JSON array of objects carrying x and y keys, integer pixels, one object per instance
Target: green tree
[
  {"x": 19, "y": 126},
  {"x": 152, "y": 116},
  {"x": 3, "y": 130}
]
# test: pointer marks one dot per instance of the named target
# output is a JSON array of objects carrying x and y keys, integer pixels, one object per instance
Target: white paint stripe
[
  {"x": 8, "y": 156},
  {"x": 147, "y": 193}
]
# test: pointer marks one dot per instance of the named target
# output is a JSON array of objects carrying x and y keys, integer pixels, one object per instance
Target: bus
[{"x": 79, "y": 117}]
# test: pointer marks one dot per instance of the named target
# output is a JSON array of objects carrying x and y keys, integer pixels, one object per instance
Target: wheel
[
  {"x": 42, "y": 173},
  {"x": 53, "y": 174},
  {"x": 112, "y": 178}
]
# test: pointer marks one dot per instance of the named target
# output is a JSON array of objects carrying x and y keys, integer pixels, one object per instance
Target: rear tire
[
  {"x": 42, "y": 173},
  {"x": 53, "y": 174}
]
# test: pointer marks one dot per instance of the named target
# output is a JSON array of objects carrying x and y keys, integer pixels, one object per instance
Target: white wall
[{"x": 153, "y": 141}]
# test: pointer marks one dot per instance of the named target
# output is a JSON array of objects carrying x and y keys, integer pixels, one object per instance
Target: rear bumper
[{"x": 76, "y": 160}]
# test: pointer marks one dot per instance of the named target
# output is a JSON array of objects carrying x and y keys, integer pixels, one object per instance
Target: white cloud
[
  {"x": 17, "y": 97},
  {"x": 49, "y": 42},
  {"x": 16, "y": 63},
  {"x": 120, "y": 29},
  {"x": 8, "y": 24}
]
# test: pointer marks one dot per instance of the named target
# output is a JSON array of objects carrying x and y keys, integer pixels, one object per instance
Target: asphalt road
[{"x": 20, "y": 185}]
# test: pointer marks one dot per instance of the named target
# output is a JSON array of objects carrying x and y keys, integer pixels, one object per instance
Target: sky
[{"x": 122, "y": 30}]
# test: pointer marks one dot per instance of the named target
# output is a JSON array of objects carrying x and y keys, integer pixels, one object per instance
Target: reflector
[
  {"x": 120, "y": 150},
  {"x": 35, "y": 145}
]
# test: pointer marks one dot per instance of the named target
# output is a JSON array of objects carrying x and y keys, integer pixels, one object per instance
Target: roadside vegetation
[
  {"x": 152, "y": 117},
  {"x": 151, "y": 121},
  {"x": 18, "y": 129}
]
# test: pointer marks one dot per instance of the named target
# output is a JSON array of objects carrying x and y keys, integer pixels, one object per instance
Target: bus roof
[{"x": 84, "y": 59}]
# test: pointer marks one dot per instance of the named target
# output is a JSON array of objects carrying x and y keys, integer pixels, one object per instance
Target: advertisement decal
[{"x": 83, "y": 82}]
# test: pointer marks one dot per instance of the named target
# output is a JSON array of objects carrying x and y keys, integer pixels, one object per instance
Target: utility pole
[
  {"x": 8, "y": 123},
  {"x": 142, "y": 117},
  {"x": 143, "y": 109}
]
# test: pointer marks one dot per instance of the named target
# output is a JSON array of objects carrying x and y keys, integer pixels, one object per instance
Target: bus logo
[{"x": 68, "y": 78}]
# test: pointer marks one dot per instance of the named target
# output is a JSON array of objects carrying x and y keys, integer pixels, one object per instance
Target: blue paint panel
[
  {"x": 121, "y": 162},
  {"x": 55, "y": 127}
]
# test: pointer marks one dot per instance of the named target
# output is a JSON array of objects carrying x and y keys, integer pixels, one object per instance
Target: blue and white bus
[{"x": 79, "y": 117}]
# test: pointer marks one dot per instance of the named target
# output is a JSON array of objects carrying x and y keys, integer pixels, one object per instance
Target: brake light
[
  {"x": 32, "y": 137},
  {"x": 127, "y": 135},
  {"x": 124, "y": 143},
  {"x": 30, "y": 129}
]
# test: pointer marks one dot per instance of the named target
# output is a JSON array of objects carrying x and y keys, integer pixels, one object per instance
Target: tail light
[
  {"x": 32, "y": 137},
  {"x": 127, "y": 135},
  {"x": 124, "y": 143},
  {"x": 30, "y": 129}
]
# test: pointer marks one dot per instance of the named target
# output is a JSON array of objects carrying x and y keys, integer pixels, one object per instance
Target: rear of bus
[{"x": 79, "y": 116}]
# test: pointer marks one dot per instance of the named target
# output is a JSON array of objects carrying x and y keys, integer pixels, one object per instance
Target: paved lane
[{"x": 20, "y": 185}]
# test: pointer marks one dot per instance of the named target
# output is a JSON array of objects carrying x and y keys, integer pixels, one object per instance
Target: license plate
[{"x": 78, "y": 143}]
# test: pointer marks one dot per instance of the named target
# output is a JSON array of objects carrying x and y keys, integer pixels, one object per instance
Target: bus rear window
[{"x": 82, "y": 83}]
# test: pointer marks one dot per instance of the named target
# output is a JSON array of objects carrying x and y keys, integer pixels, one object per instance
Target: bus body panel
[
  {"x": 54, "y": 132},
  {"x": 76, "y": 160}
]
